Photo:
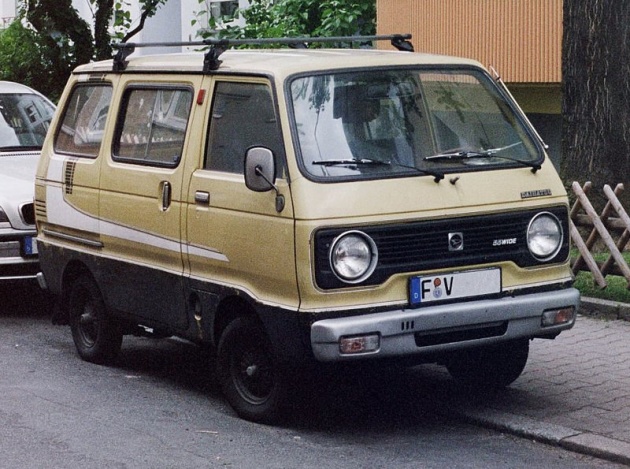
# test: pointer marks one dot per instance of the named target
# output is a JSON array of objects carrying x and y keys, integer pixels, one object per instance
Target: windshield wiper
[
  {"x": 367, "y": 161},
  {"x": 358, "y": 161},
  {"x": 21, "y": 148},
  {"x": 489, "y": 153}
]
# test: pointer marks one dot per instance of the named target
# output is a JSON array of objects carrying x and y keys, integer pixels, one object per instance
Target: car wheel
[
  {"x": 495, "y": 366},
  {"x": 96, "y": 336},
  {"x": 250, "y": 379}
]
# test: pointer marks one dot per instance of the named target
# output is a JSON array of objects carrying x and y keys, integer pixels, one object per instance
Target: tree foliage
[
  {"x": 596, "y": 66},
  {"x": 297, "y": 18},
  {"x": 50, "y": 39}
]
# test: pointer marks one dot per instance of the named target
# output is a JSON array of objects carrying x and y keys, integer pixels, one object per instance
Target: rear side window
[
  {"x": 152, "y": 126},
  {"x": 83, "y": 120}
]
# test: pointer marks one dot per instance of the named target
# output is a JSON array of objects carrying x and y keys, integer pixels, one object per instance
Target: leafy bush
[{"x": 296, "y": 18}]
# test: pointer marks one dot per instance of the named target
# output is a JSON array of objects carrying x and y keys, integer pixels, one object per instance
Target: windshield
[
  {"x": 24, "y": 121},
  {"x": 390, "y": 123}
]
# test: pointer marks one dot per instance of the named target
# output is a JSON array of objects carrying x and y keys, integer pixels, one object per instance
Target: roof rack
[{"x": 218, "y": 46}]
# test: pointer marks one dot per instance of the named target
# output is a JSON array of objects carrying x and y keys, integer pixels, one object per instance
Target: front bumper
[
  {"x": 18, "y": 255},
  {"x": 444, "y": 328}
]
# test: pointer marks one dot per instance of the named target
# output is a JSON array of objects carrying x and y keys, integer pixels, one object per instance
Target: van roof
[{"x": 275, "y": 62}]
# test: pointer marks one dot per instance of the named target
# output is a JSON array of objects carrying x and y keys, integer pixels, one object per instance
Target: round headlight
[
  {"x": 544, "y": 236},
  {"x": 353, "y": 256}
]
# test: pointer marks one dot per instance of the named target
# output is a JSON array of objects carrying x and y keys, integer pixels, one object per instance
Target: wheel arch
[
  {"x": 71, "y": 272},
  {"x": 230, "y": 308}
]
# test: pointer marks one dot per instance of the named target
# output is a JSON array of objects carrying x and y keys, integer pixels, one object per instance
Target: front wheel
[
  {"x": 491, "y": 367},
  {"x": 96, "y": 336},
  {"x": 250, "y": 378}
]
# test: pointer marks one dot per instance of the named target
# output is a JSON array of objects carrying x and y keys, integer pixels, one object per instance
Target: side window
[
  {"x": 152, "y": 125},
  {"x": 83, "y": 121},
  {"x": 243, "y": 116}
]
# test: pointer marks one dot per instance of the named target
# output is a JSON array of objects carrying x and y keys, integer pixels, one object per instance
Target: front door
[{"x": 237, "y": 241}]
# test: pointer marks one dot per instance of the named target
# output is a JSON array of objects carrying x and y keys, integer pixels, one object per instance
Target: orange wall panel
[{"x": 522, "y": 39}]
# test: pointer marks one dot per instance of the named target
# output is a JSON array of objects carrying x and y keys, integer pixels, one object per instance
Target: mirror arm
[{"x": 279, "y": 197}]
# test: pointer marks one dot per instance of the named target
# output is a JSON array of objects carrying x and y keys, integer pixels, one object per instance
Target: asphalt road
[{"x": 160, "y": 407}]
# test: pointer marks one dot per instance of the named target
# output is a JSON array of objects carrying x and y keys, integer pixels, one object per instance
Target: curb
[
  {"x": 605, "y": 309},
  {"x": 587, "y": 443}
]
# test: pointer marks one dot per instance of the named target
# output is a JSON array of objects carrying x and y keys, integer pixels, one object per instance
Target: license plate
[
  {"x": 30, "y": 246},
  {"x": 454, "y": 285}
]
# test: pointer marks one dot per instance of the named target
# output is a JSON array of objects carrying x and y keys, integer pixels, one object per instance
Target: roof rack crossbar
[{"x": 218, "y": 46}]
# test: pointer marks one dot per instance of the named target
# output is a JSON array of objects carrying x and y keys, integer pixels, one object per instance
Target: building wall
[{"x": 522, "y": 39}]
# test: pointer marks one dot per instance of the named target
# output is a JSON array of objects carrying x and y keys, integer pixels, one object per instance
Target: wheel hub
[{"x": 251, "y": 370}]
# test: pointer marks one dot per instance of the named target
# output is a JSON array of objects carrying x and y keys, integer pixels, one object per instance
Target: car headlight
[
  {"x": 544, "y": 236},
  {"x": 353, "y": 256}
]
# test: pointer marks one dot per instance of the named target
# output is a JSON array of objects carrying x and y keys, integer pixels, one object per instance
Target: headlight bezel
[
  {"x": 549, "y": 254},
  {"x": 370, "y": 258}
]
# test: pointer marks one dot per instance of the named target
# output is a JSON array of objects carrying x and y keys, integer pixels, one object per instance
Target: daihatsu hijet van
[{"x": 291, "y": 207}]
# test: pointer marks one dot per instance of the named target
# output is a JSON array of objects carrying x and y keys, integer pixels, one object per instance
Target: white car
[{"x": 25, "y": 116}]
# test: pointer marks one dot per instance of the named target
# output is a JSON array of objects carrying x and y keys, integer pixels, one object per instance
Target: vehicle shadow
[
  {"x": 328, "y": 400},
  {"x": 25, "y": 299}
]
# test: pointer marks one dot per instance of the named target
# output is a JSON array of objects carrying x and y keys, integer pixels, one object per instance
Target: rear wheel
[
  {"x": 96, "y": 336},
  {"x": 251, "y": 380},
  {"x": 495, "y": 366}
]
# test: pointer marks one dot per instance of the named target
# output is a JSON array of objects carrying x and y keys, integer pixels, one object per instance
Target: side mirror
[{"x": 260, "y": 169}]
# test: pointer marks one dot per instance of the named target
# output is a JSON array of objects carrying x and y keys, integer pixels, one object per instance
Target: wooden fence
[{"x": 608, "y": 230}]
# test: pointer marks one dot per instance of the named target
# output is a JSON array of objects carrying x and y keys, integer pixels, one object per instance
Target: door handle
[
  {"x": 202, "y": 198},
  {"x": 166, "y": 195}
]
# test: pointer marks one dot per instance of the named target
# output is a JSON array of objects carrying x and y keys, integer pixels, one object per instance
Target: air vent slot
[
  {"x": 69, "y": 176},
  {"x": 407, "y": 326},
  {"x": 27, "y": 212}
]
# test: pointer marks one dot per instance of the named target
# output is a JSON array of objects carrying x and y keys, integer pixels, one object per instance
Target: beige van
[{"x": 291, "y": 207}]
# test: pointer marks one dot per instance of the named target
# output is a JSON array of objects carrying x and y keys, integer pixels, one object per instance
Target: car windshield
[
  {"x": 24, "y": 121},
  {"x": 390, "y": 123}
]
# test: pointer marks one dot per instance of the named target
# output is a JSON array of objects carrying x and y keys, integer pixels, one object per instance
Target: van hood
[
  {"x": 17, "y": 177},
  {"x": 420, "y": 197}
]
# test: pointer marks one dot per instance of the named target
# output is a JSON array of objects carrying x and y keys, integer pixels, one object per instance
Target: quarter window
[
  {"x": 153, "y": 126},
  {"x": 83, "y": 121}
]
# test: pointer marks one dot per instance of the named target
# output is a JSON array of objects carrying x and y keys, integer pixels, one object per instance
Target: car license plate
[
  {"x": 454, "y": 285},
  {"x": 30, "y": 246}
]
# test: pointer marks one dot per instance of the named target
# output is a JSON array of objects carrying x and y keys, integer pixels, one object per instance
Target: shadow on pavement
[
  {"x": 332, "y": 401},
  {"x": 24, "y": 299}
]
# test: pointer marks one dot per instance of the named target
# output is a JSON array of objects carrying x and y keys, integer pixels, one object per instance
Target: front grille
[
  {"x": 27, "y": 213},
  {"x": 423, "y": 245}
]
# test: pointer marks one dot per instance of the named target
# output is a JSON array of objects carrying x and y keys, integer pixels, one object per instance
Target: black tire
[
  {"x": 492, "y": 367},
  {"x": 250, "y": 378},
  {"x": 96, "y": 336}
]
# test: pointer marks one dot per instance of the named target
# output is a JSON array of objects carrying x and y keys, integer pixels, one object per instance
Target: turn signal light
[
  {"x": 359, "y": 344},
  {"x": 556, "y": 317}
]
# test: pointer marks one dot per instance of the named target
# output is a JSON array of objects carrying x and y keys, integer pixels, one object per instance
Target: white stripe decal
[{"x": 60, "y": 212}]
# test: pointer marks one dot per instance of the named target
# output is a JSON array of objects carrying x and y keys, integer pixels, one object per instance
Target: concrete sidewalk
[{"x": 574, "y": 392}]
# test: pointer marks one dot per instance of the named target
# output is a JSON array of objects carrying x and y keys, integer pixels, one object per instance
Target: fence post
[
  {"x": 585, "y": 256},
  {"x": 623, "y": 215},
  {"x": 602, "y": 231}
]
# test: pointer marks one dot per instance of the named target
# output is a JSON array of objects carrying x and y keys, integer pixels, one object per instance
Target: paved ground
[{"x": 574, "y": 392}]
